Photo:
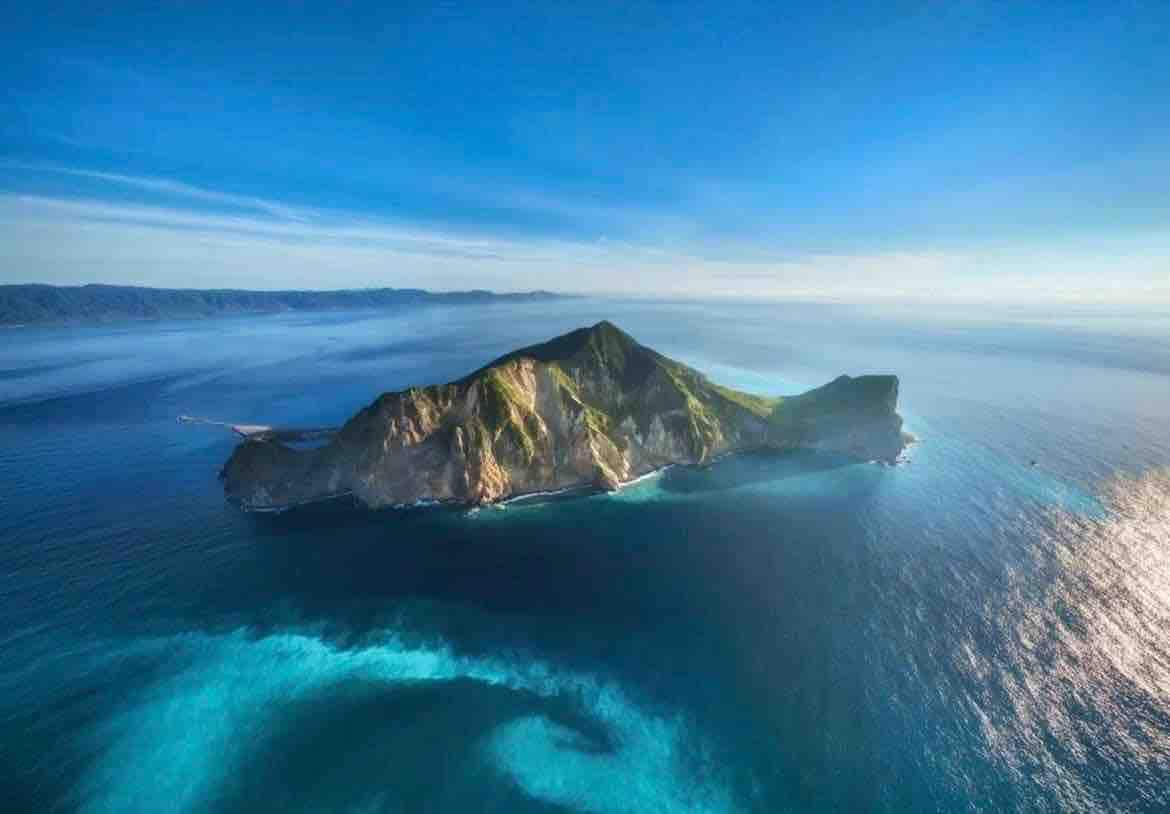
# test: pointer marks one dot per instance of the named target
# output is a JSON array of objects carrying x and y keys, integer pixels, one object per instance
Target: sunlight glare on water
[{"x": 1085, "y": 665}]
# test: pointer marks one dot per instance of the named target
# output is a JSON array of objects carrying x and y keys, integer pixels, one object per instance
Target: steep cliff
[{"x": 590, "y": 407}]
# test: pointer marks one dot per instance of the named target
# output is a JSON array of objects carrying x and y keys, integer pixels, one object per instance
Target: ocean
[{"x": 985, "y": 627}]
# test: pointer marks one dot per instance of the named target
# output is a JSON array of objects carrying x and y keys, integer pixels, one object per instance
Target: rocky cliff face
[{"x": 590, "y": 407}]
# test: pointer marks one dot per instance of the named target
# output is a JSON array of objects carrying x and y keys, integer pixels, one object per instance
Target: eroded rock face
[{"x": 590, "y": 407}]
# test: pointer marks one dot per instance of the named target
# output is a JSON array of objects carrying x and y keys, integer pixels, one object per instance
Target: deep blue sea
[{"x": 984, "y": 628}]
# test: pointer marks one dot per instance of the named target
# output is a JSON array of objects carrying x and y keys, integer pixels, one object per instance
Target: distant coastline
[{"x": 38, "y": 304}]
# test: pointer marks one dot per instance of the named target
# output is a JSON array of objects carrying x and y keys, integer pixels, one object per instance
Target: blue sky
[{"x": 965, "y": 150}]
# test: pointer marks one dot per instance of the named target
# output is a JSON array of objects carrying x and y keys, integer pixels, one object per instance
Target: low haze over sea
[{"x": 981, "y": 628}]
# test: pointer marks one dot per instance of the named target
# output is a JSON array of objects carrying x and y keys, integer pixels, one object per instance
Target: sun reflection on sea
[{"x": 1084, "y": 671}]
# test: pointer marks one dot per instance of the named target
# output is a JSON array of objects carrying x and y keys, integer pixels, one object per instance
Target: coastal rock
[{"x": 592, "y": 407}]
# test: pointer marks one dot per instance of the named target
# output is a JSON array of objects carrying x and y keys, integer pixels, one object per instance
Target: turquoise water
[{"x": 983, "y": 628}]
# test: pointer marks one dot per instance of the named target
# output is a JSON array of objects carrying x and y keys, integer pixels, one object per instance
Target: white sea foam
[
  {"x": 520, "y": 498},
  {"x": 652, "y": 474},
  {"x": 178, "y": 744}
]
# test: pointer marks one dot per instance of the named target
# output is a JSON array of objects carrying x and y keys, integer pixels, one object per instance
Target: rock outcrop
[{"x": 590, "y": 407}]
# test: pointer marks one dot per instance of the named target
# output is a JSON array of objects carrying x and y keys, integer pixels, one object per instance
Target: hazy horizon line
[{"x": 200, "y": 238}]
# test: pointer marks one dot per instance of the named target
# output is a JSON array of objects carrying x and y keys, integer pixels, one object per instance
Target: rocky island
[{"x": 590, "y": 408}]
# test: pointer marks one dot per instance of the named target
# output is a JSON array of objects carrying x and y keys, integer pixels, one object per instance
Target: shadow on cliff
[{"x": 726, "y": 474}]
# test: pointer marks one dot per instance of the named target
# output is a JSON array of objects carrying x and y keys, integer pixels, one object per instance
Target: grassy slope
[
  {"x": 652, "y": 384},
  {"x": 588, "y": 363}
]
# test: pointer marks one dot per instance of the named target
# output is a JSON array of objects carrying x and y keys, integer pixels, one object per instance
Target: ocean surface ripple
[{"x": 983, "y": 628}]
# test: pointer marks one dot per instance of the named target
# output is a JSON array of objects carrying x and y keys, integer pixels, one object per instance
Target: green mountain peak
[{"x": 591, "y": 406}]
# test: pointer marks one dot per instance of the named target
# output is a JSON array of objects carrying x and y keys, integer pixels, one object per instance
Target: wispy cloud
[
  {"x": 606, "y": 221},
  {"x": 166, "y": 186},
  {"x": 241, "y": 241},
  {"x": 95, "y": 239},
  {"x": 337, "y": 231}
]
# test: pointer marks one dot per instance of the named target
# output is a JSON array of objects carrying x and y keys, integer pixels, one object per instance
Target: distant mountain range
[{"x": 49, "y": 304}]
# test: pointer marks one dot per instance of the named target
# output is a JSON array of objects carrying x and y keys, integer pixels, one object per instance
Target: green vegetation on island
[{"x": 593, "y": 406}]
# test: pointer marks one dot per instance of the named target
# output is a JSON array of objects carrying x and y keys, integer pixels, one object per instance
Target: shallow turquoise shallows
[{"x": 984, "y": 628}]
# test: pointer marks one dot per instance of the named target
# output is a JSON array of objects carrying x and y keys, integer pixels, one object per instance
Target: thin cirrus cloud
[
  {"x": 166, "y": 186},
  {"x": 246, "y": 241},
  {"x": 208, "y": 238}
]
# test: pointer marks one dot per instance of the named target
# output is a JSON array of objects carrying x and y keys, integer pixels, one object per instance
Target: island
[{"x": 591, "y": 408}]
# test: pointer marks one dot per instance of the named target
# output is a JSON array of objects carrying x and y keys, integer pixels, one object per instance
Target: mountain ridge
[{"x": 41, "y": 304}]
